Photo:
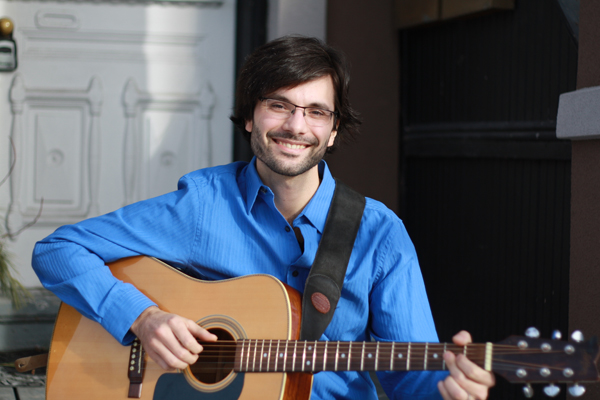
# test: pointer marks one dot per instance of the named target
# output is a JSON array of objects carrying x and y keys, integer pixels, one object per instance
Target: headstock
[{"x": 529, "y": 359}]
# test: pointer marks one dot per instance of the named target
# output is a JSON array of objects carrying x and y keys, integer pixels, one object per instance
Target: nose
[{"x": 296, "y": 122}]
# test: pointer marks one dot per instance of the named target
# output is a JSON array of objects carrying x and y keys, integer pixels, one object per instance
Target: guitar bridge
[{"x": 136, "y": 369}]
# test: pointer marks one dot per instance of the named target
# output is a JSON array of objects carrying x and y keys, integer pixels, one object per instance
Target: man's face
[{"x": 290, "y": 147}]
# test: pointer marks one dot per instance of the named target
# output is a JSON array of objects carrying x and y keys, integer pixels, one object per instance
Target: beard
[{"x": 286, "y": 164}]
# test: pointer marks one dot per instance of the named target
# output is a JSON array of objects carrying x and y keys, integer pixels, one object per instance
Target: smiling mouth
[{"x": 291, "y": 146}]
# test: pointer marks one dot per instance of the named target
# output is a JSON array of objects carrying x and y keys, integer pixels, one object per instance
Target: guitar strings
[{"x": 325, "y": 357}]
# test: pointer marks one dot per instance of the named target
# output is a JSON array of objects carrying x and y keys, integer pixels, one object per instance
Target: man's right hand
[{"x": 170, "y": 340}]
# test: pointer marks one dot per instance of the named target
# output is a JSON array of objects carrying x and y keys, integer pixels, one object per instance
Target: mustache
[{"x": 289, "y": 136}]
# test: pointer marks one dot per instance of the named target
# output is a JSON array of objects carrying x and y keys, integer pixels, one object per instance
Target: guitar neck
[{"x": 310, "y": 356}]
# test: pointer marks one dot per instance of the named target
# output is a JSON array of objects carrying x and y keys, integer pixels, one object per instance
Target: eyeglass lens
[{"x": 313, "y": 115}]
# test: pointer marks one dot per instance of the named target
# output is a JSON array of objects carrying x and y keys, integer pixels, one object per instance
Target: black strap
[{"x": 326, "y": 277}]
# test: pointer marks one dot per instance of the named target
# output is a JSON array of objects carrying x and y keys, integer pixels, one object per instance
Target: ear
[
  {"x": 332, "y": 137},
  {"x": 333, "y": 134},
  {"x": 249, "y": 125}
]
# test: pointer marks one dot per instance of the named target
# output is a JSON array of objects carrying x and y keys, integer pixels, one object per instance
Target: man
[{"x": 264, "y": 217}]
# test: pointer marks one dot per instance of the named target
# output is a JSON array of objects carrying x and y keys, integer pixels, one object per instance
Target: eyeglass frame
[{"x": 334, "y": 113}]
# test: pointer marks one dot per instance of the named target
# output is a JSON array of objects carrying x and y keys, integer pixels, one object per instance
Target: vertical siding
[{"x": 486, "y": 186}]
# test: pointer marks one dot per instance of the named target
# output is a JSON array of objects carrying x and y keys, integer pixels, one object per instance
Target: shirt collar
[
  {"x": 317, "y": 208},
  {"x": 253, "y": 185}
]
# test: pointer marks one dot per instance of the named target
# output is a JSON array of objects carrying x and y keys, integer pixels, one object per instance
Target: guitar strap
[{"x": 326, "y": 277}]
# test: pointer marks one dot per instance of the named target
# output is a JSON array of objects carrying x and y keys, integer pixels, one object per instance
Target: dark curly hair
[{"x": 287, "y": 62}]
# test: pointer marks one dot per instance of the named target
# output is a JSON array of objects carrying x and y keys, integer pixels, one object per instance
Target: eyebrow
[{"x": 314, "y": 104}]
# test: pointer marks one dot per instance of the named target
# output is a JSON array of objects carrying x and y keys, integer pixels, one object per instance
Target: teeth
[{"x": 293, "y": 146}]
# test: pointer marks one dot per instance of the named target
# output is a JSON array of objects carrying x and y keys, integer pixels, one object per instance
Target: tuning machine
[
  {"x": 576, "y": 390},
  {"x": 552, "y": 390},
  {"x": 556, "y": 335},
  {"x": 528, "y": 391},
  {"x": 532, "y": 333},
  {"x": 577, "y": 336}
]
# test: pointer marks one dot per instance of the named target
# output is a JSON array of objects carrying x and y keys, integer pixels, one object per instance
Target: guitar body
[
  {"x": 257, "y": 320},
  {"x": 86, "y": 362}
]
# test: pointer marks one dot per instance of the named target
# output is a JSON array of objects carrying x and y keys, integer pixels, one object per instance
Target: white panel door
[{"x": 111, "y": 103}]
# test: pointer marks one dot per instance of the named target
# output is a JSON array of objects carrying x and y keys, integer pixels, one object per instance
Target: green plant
[{"x": 9, "y": 285}]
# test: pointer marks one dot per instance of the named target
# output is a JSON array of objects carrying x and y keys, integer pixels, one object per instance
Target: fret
[
  {"x": 248, "y": 355},
  {"x": 325, "y": 357},
  {"x": 262, "y": 355},
  {"x": 304, "y": 356},
  {"x": 368, "y": 356},
  {"x": 285, "y": 353},
  {"x": 443, "y": 360},
  {"x": 314, "y": 357},
  {"x": 294, "y": 357},
  {"x": 377, "y": 357},
  {"x": 277, "y": 356},
  {"x": 489, "y": 349},
  {"x": 249, "y": 348},
  {"x": 337, "y": 355},
  {"x": 356, "y": 357},
  {"x": 408, "y": 357},
  {"x": 362, "y": 357},
  {"x": 331, "y": 354},
  {"x": 349, "y": 354},
  {"x": 425, "y": 356},
  {"x": 241, "y": 354},
  {"x": 392, "y": 357},
  {"x": 254, "y": 356},
  {"x": 343, "y": 350}
]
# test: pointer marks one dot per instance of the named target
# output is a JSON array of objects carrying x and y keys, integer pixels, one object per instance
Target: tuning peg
[
  {"x": 576, "y": 390},
  {"x": 532, "y": 333},
  {"x": 577, "y": 336},
  {"x": 556, "y": 335},
  {"x": 552, "y": 390},
  {"x": 528, "y": 391}
]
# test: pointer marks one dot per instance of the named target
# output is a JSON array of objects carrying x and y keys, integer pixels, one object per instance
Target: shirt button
[
  {"x": 263, "y": 190},
  {"x": 295, "y": 273},
  {"x": 287, "y": 229}
]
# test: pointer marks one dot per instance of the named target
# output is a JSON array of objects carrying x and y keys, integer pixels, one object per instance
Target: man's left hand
[{"x": 467, "y": 381}]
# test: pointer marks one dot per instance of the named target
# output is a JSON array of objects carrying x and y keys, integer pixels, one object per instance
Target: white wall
[
  {"x": 72, "y": 150},
  {"x": 305, "y": 17}
]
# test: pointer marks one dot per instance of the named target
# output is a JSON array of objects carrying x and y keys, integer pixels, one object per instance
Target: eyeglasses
[{"x": 314, "y": 116}]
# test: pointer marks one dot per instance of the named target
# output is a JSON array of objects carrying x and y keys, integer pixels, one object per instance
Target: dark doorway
[{"x": 485, "y": 183}]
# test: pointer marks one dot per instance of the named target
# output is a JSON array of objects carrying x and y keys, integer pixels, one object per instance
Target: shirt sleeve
[
  {"x": 400, "y": 312},
  {"x": 72, "y": 261}
]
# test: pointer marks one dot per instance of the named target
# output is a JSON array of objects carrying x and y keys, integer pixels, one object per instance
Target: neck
[
  {"x": 292, "y": 193},
  {"x": 313, "y": 356}
]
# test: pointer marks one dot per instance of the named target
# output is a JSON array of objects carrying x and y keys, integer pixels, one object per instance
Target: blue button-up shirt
[{"x": 222, "y": 223}]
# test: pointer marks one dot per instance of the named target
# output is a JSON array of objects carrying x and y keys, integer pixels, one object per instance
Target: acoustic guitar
[{"x": 258, "y": 356}]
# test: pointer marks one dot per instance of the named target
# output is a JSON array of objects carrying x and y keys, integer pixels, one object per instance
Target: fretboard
[{"x": 256, "y": 355}]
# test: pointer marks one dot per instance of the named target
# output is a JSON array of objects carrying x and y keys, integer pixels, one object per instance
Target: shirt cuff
[{"x": 122, "y": 308}]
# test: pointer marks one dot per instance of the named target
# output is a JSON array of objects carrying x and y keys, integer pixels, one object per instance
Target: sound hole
[{"x": 215, "y": 362}]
